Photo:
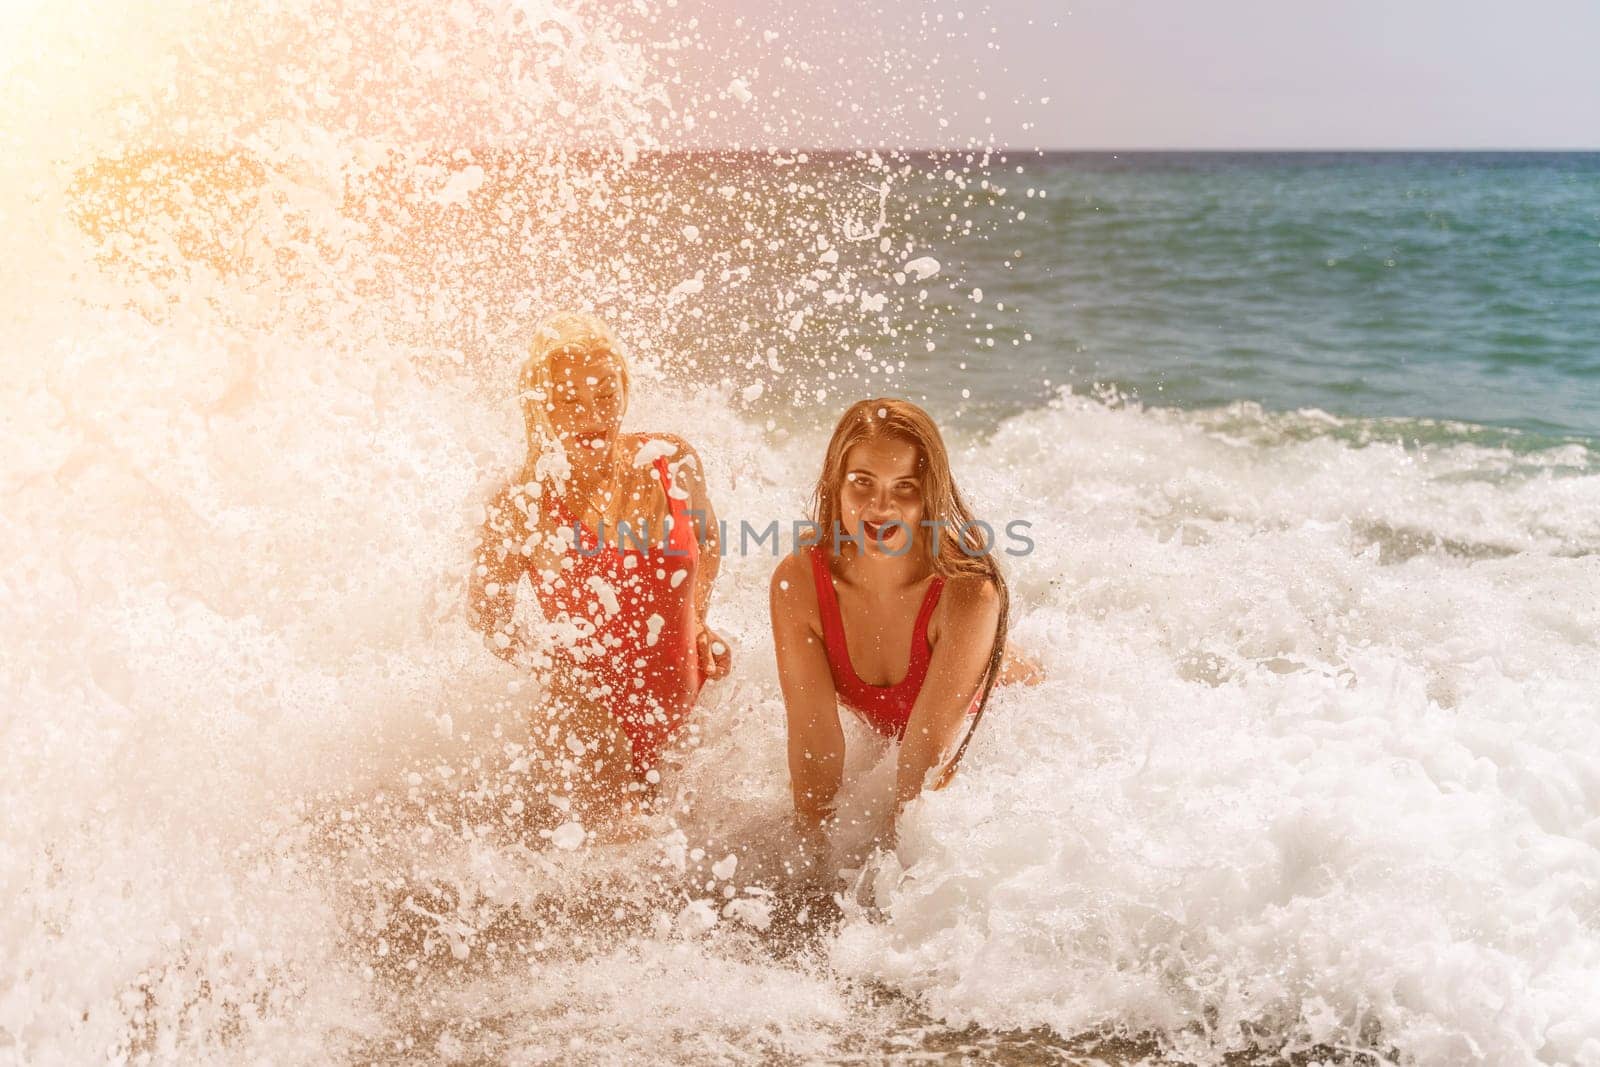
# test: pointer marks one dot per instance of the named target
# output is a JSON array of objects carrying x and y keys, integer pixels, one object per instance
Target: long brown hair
[{"x": 887, "y": 417}]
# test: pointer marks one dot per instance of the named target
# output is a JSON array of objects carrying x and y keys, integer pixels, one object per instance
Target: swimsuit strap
[
  {"x": 919, "y": 633},
  {"x": 827, "y": 601},
  {"x": 674, "y": 505},
  {"x": 678, "y": 511}
]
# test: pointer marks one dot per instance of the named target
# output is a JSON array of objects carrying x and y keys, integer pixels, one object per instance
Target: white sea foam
[{"x": 1318, "y": 750}]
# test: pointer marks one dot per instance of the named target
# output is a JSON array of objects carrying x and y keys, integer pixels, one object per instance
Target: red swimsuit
[
  {"x": 886, "y": 708},
  {"x": 642, "y": 607}
]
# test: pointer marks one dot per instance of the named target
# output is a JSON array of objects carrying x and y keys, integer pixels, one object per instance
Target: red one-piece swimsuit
[
  {"x": 641, "y": 603},
  {"x": 886, "y": 708}
]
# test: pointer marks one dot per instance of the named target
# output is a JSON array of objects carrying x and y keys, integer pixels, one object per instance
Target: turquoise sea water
[
  {"x": 1441, "y": 286},
  {"x": 1419, "y": 286}
]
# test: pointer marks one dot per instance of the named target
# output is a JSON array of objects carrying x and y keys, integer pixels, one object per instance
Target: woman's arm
[
  {"x": 815, "y": 736},
  {"x": 971, "y": 610},
  {"x": 497, "y": 567},
  {"x": 689, "y": 475}
]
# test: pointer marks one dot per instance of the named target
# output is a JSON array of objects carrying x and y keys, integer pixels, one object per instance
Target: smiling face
[
  {"x": 882, "y": 482},
  {"x": 587, "y": 396}
]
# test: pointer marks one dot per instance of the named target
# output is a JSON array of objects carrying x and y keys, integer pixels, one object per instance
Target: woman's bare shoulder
[
  {"x": 967, "y": 592},
  {"x": 793, "y": 591},
  {"x": 968, "y": 602},
  {"x": 515, "y": 510},
  {"x": 506, "y": 494}
]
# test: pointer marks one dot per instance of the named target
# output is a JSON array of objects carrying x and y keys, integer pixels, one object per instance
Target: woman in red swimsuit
[
  {"x": 599, "y": 523},
  {"x": 843, "y": 620}
]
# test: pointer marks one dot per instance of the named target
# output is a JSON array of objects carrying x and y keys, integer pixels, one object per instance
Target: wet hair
[
  {"x": 562, "y": 332},
  {"x": 888, "y": 418}
]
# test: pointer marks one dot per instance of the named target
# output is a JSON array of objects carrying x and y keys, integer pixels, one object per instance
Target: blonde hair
[
  {"x": 901, "y": 420},
  {"x": 564, "y": 331}
]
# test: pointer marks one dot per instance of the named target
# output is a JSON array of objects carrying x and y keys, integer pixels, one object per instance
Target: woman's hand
[
  {"x": 716, "y": 658},
  {"x": 1019, "y": 668},
  {"x": 971, "y": 613}
]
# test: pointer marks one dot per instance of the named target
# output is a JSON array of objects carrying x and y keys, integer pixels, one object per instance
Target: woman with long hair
[
  {"x": 601, "y": 524},
  {"x": 900, "y": 564}
]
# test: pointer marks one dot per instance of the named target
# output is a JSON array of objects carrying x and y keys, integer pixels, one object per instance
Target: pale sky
[{"x": 1146, "y": 74}]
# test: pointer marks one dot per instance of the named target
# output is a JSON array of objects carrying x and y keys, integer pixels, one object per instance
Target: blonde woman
[
  {"x": 600, "y": 523},
  {"x": 908, "y": 574}
]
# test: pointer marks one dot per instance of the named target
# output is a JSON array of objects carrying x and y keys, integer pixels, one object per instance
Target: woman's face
[
  {"x": 881, "y": 484},
  {"x": 586, "y": 398}
]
